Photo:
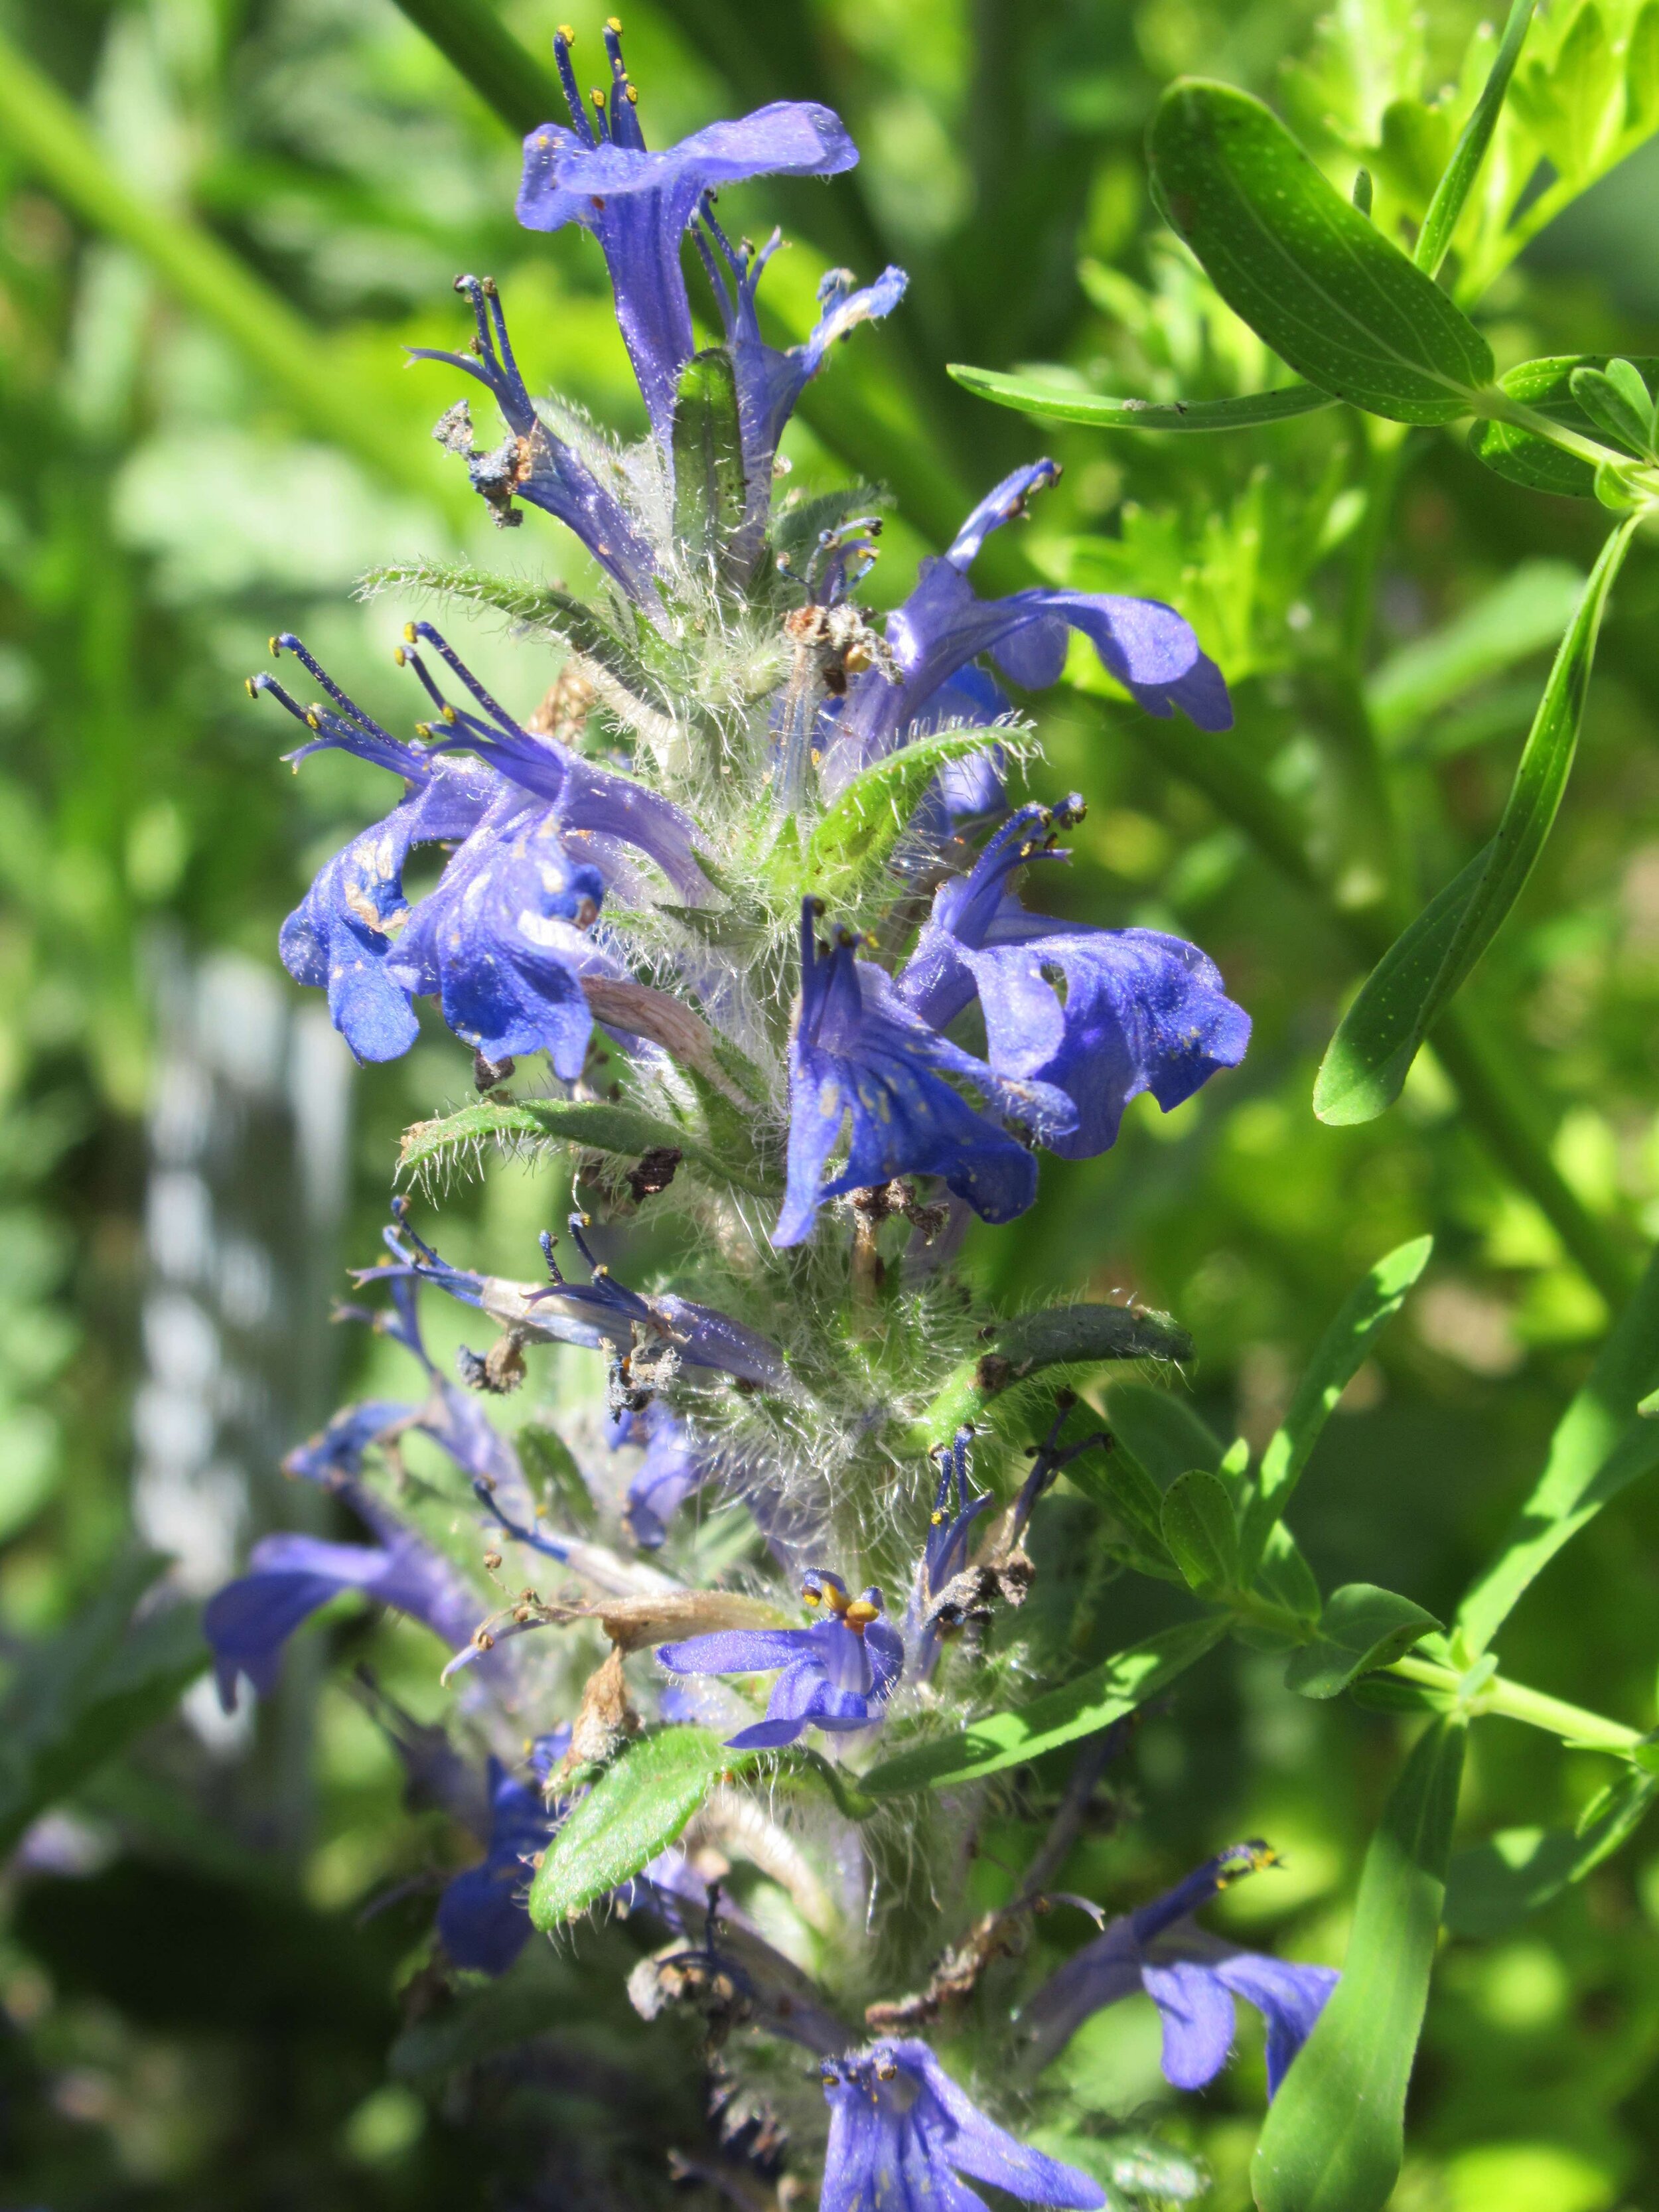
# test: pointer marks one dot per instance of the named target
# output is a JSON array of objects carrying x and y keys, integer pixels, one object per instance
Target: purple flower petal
[
  {"x": 1197, "y": 2013},
  {"x": 1288, "y": 1997}
]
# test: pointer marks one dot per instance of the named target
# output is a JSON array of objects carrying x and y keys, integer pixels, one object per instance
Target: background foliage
[{"x": 196, "y": 2013}]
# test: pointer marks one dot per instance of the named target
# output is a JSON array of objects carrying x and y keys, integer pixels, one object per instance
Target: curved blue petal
[
  {"x": 1288, "y": 1997},
  {"x": 737, "y": 1651},
  {"x": 1196, "y": 2010},
  {"x": 289, "y": 1578}
]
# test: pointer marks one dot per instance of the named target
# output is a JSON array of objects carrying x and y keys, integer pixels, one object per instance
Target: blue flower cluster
[{"x": 919, "y": 1023}]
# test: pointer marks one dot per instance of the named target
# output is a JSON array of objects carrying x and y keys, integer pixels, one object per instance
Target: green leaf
[
  {"x": 1527, "y": 612},
  {"x": 1601, "y": 1446},
  {"x": 1030, "y": 396},
  {"x": 624, "y": 1130},
  {"x": 1617, "y": 402},
  {"x": 1497, "y": 1883},
  {"x": 1361, "y": 1629},
  {"x": 635, "y": 1809},
  {"x": 1162, "y": 1430},
  {"x": 1367, "y": 1061},
  {"x": 1285, "y": 1577},
  {"x": 1001, "y": 1739},
  {"x": 78, "y": 1696},
  {"x": 709, "y": 491},
  {"x": 1334, "y": 2134},
  {"x": 1304, "y": 268},
  {"x": 1451, "y": 193},
  {"x": 1341, "y": 1352},
  {"x": 869, "y": 817},
  {"x": 1200, "y": 1532},
  {"x": 1117, "y": 1480},
  {"x": 1545, "y": 387}
]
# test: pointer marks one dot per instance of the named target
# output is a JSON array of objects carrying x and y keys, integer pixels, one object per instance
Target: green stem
[
  {"x": 47, "y": 133},
  {"x": 1497, "y": 406},
  {"x": 1514, "y": 1702}
]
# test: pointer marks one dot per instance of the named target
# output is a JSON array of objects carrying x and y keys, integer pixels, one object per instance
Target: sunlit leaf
[
  {"x": 1030, "y": 396},
  {"x": 1337, "y": 1360},
  {"x": 1492, "y": 1886},
  {"x": 1335, "y": 2134},
  {"x": 635, "y": 1809},
  {"x": 1545, "y": 387},
  {"x": 1601, "y": 1446},
  {"x": 1367, "y": 1060},
  {"x": 1451, "y": 193},
  {"x": 869, "y": 817},
  {"x": 1303, "y": 267}
]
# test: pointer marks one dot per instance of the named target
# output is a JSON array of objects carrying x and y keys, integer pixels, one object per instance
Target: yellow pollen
[
  {"x": 937, "y": 1519},
  {"x": 830, "y": 2080},
  {"x": 275, "y": 649},
  {"x": 812, "y": 1597},
  {"x": 597, "y": 97},
  {"x": 886, "y": 2073},
  {"x": 400, "y": 658},
  {"x": 252, "y": 687},
  {"x": 860, "y": 1613},
  {"x": 449, "y": 714},
  {"x": 567, "y": 34},
  {"x": 313, "y": 718},
  {"x": 614, "y": 23},
  {"x": 633, "y": 96}
]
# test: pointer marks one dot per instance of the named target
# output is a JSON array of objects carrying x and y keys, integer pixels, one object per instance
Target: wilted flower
[{"x": 1191, "y": 1976}]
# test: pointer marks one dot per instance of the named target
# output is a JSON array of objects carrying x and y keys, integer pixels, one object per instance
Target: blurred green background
[{"x": 194, "y": 2012}]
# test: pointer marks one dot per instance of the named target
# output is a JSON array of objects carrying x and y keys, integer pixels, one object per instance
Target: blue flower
[
  {"x": 534, "y": 464},
  {"x": 1192, "y": 1977},
  {"x": 944, "y": 625},
  {"x": 290, "y": 1577},
  {"x": 858, "y": 1052},
  {"x": 673, "y": 1466},
  {"x": 639, "y": 205},
  {"x": 837, "y": 1674},
  {"x": 901, "y": 2132},
  {"x": 484, "y": 1921},
  {"x": 504, "y": 939},
  {"x": 770, "y": 381},
  {"x": 1139, "y": 1010}
]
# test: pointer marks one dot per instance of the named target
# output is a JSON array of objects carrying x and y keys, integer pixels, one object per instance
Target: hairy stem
[{"x": 1515, "y": 1702}]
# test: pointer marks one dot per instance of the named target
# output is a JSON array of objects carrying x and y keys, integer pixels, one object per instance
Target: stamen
[
  {"x": 440, "y": 644},
  {"x": 343, "y": 700},
  {"x": 563, "y": 39}
]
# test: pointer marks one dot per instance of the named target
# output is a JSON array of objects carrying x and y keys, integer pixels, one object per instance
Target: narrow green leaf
[
  {"x": 869, "y": 817},
  {"x": 1367, "y": 1060},
  {"x": 1117, "y": 1480},
  {"x": 1341, "y": 1352},
  {"x": 1524, "y": 614},
  {"x": 1362, "y": 1628},
  {"x": 1601, "y": 1444},
  {"x": 1030, "y": 396},
  {"x": 1335, "y": 2134},
  {"x": 1200, "y": 1532},
  {"x": 1545, "y": 387},
  {"x": 621, "y": 1129},
  {"x": 1491, "y": 1887},
  {"x": 1451, "y": 193},
  {"x": 1082, "y": 1707},
  {"x": 635, "y": 1809},
  {"x": 710, "y": 492},
  {"x": 1306, "y": 270}
]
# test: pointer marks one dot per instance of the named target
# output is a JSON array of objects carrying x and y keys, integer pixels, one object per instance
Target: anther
[
  {"x": 567, "y": 34},
  {"x": 597, "y": 97},
  {"x": 276, "y": 645},
  {"x": 449, "y": 712},
  {"x": 252, "y": 687},
  {"x": 886, "y": 2073},
  {"x": 614, "y": 23},
  {"x": 400, "y": 658},
  {"x": 830, "y": 2080},
  {"x": 410, "y": 633},
  {"x": 314, "y": 717},
  {"x": 633, "y": 95}
]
